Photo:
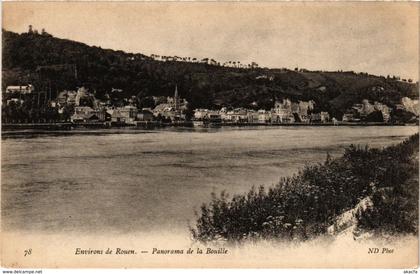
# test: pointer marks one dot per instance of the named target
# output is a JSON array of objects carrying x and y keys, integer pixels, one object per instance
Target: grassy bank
[{"x": 305, "y": 205}]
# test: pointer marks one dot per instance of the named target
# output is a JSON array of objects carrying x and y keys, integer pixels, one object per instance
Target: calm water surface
[{"x": 138, "y": 181}]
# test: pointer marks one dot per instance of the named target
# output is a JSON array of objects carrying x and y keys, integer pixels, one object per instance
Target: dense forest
[{"x": 47, "y": 61}]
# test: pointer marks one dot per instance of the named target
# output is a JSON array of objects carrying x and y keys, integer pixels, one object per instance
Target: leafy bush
[
  {"x": 395, "y": 199},
  {"x": 303, "y": 206}
]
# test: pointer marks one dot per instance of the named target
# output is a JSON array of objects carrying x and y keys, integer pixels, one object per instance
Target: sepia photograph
[{"x": 209, "y": 135}]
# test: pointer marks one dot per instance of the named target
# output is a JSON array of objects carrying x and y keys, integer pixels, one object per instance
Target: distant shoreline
[{"x": 155, "y": 125}]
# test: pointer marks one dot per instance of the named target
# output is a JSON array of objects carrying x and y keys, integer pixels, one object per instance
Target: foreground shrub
[
  {"x": 303, "y": 206},
  {"x": 395, "y": 200}
]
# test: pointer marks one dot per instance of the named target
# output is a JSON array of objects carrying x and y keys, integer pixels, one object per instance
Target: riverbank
[
  {"x": 155, "y": 124},
  {"x": 380, "y": 184},
  {"x": 94, "y": 125}
]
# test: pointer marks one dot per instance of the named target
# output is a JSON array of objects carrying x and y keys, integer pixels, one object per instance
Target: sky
[{"x": 378, "y": 38}]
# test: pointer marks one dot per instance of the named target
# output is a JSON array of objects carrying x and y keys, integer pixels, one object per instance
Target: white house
[{"x": 20, "y": 89}]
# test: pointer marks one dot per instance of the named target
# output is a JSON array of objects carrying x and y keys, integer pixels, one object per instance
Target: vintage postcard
[{"x": 209, "y": 135}]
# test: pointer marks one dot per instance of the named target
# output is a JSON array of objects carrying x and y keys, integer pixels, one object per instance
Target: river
[{"x": 129, "y": 180}]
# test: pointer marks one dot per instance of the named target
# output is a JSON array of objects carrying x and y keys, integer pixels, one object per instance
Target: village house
[
  {"x": 83, "y": 114},
  {"x": 66, "y": 97},
  {"x": 321, "y": 117},
  {"x": 304, "y": 110},
  {"x": 282, "y": 118},
  {"x": 352, "y": 114},
  {"x": 252, "y": 116},
  {"x": 282, "y": 112},
  {"x": 350, "y": 117},
  {"x": 15, "y": 101},
  {"x": 125, "y": 115},
  {"x": 161, "y": 108},
  {"x": 264, "y": 116},
  {"x": 28, "y": 89},
  {"x": 238, "y": 115},
  {"x": 366, "y": 108},
  {"x": 167, "y": 112},
  {"x": 295, "y": 107},
  {"x": 223, "y": 114},
  {"x": 410, "y": 105},
  {"x": 145, "y": 114},
  {"x": 174, "y": 108},
  {"x": 200, "y": 114},
  {"x": 360, "y": 112},
  {"x": 85, "y": 98},
  {"x": 206, "y": 115},
  {"x": 213, "y": 117},
  {"x": 180, "y": 104}
]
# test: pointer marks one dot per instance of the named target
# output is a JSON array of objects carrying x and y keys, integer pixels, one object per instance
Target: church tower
[{"x": 176, "y": 99}]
